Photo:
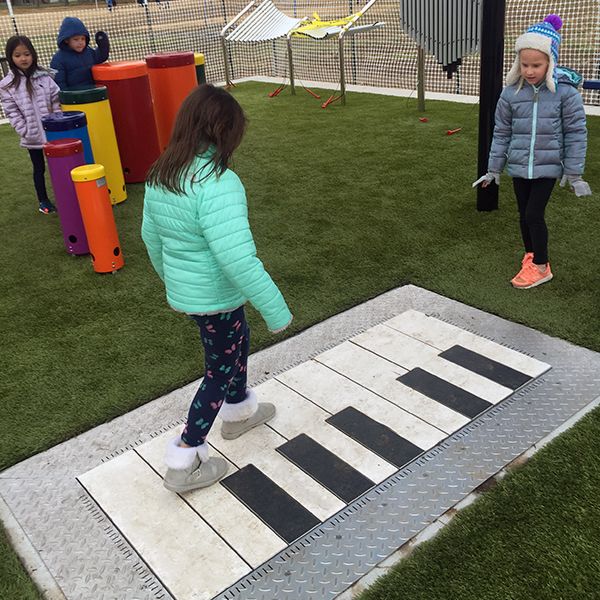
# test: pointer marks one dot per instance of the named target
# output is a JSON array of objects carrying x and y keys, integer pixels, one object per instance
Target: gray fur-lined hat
[{"x": 544, "y": 37}]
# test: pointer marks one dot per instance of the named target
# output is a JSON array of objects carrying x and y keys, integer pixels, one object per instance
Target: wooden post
[
  {"x": 291, "y": 66},
  {"x": 342, "y": 70},
  {"x": 226, "y": 62},
  {"x": 421, "y": 79}
]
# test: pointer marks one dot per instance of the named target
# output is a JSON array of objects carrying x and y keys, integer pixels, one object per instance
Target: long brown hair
[
  {"x": 209, "y": 116},
  {"x": 11, "y": 45}
]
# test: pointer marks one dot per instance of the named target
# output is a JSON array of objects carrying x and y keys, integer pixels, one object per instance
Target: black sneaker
[{"x": 47, "y": 207}]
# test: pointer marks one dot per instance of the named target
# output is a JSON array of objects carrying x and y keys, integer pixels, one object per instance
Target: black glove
[{"x": 101, "y": 37}]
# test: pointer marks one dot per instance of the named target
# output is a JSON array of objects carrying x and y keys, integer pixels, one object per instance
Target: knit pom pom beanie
[{"x": 544, "y": 37}]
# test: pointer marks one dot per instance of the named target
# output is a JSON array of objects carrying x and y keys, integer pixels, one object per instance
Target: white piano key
[
  {"x": 191, "y": 560},
  {"x": 410, "y": 353},
  {"x": 236, "y": 524},
  {"x": 379, "y": 375},
  {"x": 442, "y": 335},
  {"x": 297, "y": 415},
  {"x": 334, "y": 392},
  {"x": 258, "y": 447}
]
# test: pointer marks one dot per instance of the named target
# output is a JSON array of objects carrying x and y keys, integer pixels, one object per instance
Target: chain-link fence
[{"x": 384, "y": 57}]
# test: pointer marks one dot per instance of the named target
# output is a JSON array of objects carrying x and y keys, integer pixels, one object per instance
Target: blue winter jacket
[
  {"x": 539, "y": 133},
  {"x": 201, "y": 246},
  {"x": 74, "y": 69}
]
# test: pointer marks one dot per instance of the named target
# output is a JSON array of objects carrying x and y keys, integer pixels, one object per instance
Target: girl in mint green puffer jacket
[{"x": 195, "y": 227}]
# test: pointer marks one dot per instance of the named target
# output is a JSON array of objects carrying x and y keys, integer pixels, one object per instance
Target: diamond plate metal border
[{"x": 89, "y": 558}]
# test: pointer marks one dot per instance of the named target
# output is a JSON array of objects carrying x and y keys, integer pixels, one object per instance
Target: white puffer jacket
[{"x": 25, "y": 112}]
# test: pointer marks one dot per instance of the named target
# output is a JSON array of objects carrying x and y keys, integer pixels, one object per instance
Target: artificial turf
[
  {"x": 15, "y": 583},
  {"x": 345, "y": 203}
]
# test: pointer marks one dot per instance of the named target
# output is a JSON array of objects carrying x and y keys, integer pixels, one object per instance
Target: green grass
[
  {"x": 534, "y": 537},
  {"x": 345, "y": 203},
  {"x": 15, "y": 584}
]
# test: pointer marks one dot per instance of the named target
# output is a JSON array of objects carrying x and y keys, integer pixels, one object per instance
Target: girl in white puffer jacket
[{"x": 29, "y": 93}]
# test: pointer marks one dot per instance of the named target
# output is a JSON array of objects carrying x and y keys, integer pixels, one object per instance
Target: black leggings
[
  {"x": 39, "y": 168},
  {"x": 532, "y": 198}
]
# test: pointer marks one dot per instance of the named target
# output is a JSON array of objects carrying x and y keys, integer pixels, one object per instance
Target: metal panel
[
  {"x": 448, "y": 29},
  {"x": 267, "y": 22}
]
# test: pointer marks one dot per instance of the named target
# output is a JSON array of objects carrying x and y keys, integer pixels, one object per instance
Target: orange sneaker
[
  {"x": 527, "y": 258},
  {"x": 530, "y": 276}
]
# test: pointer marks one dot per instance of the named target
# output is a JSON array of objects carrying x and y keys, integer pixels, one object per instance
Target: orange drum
[
  {"x": 98, "y": 219},
  {"x": 172, "y": 77}
]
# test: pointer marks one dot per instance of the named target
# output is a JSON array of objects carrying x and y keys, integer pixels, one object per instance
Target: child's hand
[
  {"x": 100, "y": 37},
  {"x": 578, "y": 185},
  {"x": 486, "y": 179}
]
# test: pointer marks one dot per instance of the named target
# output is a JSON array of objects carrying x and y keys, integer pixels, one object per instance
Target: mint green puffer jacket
[{"x": 201, "y": 246}]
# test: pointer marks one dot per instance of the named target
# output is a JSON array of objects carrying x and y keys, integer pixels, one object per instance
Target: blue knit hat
[{"x": 544, "y": 37}]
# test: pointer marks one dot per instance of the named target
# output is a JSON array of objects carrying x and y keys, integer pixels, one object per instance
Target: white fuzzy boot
[
  {"x": 191, "y": 468},
  {"x": 245, "y": 415}
]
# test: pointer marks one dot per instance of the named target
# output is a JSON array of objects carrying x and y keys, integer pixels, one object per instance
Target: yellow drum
[
  {"x": 94, "y": 103},
  {"x": 200, "y": 63}
]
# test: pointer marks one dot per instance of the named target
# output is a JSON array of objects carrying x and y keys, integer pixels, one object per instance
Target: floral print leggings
[{"x": 226, "y": 340}]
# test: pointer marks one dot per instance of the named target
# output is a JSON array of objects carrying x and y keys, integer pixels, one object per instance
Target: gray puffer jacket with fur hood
[
  {"x": 25, "y": 111},
  {"x": 540, "y": 133}
]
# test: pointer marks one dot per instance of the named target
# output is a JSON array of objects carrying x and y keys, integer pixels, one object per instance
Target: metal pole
[
  {"x": 291, "y": 65},
  {"x": 420, "y": 79},
  {"x": 12, "y": 16},
  {"x": 490, "y": 87}
]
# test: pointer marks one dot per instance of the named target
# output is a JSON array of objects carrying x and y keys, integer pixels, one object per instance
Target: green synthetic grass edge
[
  {"x": 536, "y": 536},
  {"x": 15, "y": 583}
]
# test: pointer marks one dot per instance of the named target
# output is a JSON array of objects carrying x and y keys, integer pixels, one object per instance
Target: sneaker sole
[
  {"x": 528, "y": 287},
  {"x": 237, "y": 434},
  {"x": 179, "y": 489}
]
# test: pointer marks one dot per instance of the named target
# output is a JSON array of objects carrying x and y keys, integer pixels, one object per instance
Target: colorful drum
[
  {"x": 172, "y": 77},
  {"x": 98, "y": 218},
  {"x": 63, "y": 156},
  {"x": 133, "y": 115},
  {"x": 94, "y": 103},
  {"x": 71, "y": 124}
]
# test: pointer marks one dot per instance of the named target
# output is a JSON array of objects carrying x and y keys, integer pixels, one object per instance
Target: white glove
[
  {"x": 579, "y": 186},
  {"x": 489, "y": 177}
]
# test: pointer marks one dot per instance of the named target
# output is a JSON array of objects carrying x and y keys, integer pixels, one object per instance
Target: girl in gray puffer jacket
[
  {"x": 29, "y": 93},
  {"x": 540, "y": 136}
]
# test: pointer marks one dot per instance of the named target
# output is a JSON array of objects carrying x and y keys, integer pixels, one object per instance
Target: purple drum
[{"x": 63, "y": 156}]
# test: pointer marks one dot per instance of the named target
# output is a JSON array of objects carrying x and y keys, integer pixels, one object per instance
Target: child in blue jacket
[
  {"x": 74, "y": 60},
  {"x": 195, "y": 227},
  {"x": 540, "y": 136}
]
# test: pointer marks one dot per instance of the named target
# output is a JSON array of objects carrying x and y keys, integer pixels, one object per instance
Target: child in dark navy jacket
[{"x": 74, "y": 60}]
